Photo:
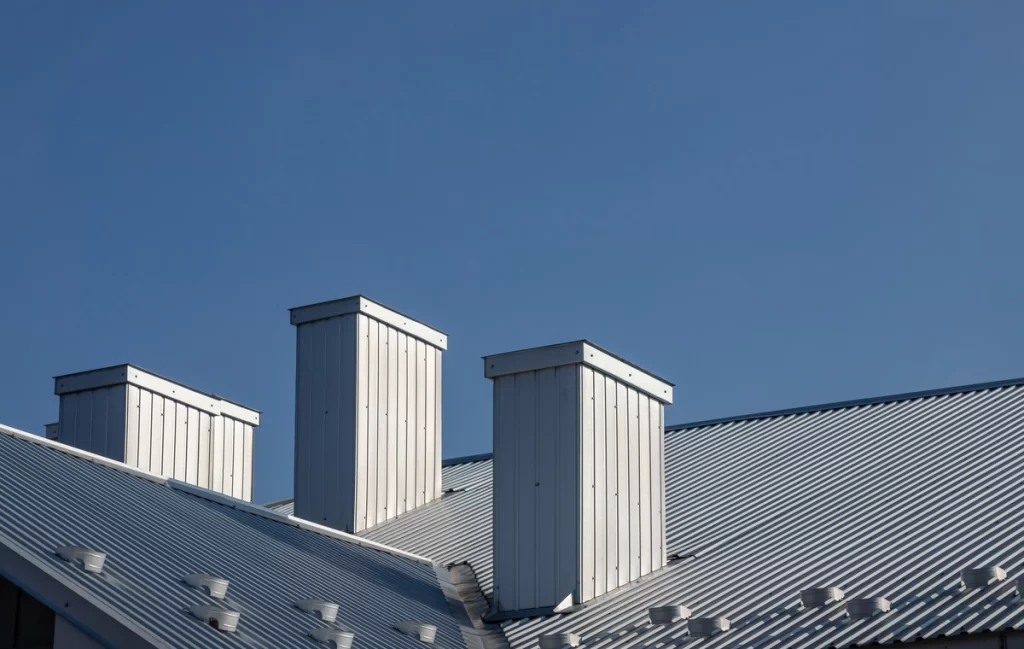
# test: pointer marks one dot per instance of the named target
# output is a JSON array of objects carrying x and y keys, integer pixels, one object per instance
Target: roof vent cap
[
  {"x": 559, "y": 640},
  {"x": 865, "y": 607},
  {"x": 707, "y": 626},
  {"x": 216, "y": 587},
  {"x": 420, "y": 630},
  {"x": 667, "y": 614},
  {"x": 219, "y": 618},
  {"x": 981, "y": 577},
  {"x": 811, "y": 597},
  {"x": 328, "y": 611},
  {"x": 339, "y": 638},
  {"x": 90, "y": 560}
]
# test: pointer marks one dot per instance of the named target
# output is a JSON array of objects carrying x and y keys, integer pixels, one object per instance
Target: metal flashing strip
[
  {"x": 127, "y": 373},
  {"x": 288, "y": 519},
  {"x": 364, "y": 305},
  {"x": 582, "y": 352}
]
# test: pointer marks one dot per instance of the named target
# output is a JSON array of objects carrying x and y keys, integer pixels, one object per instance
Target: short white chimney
[
  {"x": 367, "y": 413},
  {"x": 146, "y": 421},
  {"x": 579, "y": 489}
]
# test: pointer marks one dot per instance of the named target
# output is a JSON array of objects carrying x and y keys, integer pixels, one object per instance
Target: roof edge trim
[{"x": 853, "y": 403}]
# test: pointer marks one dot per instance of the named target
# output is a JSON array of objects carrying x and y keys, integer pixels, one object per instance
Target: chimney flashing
[
  {"x": 585, "y": 353},
  {"x": 362, "y": 304}
]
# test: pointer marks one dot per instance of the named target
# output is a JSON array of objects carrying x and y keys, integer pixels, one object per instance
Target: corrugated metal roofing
[
  {"x": 154, "y": 534},
  {"x": 887, "y": 497}
]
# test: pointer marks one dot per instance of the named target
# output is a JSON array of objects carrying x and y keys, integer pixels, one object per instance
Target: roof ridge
[
  {"x": 852, "y": 403},
  {"x": 213, "y": 496}
]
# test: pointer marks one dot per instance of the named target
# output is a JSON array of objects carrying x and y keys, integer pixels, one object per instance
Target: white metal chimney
[
  {"x": 579, "y": 489},
  {"x": 146, "y": 421},
  {"x": 367, "y": 413}
]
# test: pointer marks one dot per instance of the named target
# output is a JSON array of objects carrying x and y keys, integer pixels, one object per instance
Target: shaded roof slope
[
  {"x": 885, "y": 497},
  {"x": 155, "y": 532}
]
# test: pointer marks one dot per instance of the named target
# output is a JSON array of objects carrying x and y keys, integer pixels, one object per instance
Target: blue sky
[{"x": 770, "y": 204}]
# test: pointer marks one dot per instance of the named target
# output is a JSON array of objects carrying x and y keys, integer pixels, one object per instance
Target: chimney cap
[
  {"x": 106, "y": 377},
  {"x": 582, "y": 352},
  {"x": 361, "y": 304}
]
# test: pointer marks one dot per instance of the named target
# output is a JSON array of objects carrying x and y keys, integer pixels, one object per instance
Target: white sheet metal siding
[
  {"x": 579, "y": 493},
  {"x": 178, "y": 441},
  {"x": 536, "y": 500},
  {"x": 622, "y": 510},
  {"x": 94, "y": 421},
  {"x": 367, "y": 421},
  {"x": 153, "y": 432}
]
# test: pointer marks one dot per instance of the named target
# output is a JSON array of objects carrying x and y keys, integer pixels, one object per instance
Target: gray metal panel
[
  {"x": 366, "y": 417},
  {"x": 154, "y": 534},
  {"x": 95, "y": 420},
  {"x": 326, "y": 368},
  {"x": 894, "y": 497},
  {"x": 536, "y": 440}
]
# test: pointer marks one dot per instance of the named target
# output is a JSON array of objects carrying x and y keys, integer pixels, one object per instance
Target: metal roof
[
  {"x": 157, "y": 531},
  {"x": 889, "y": 497}
]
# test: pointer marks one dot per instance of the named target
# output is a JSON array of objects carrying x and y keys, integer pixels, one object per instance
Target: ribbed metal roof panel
[
  {"x": 455, "y": 529},
  {"x": 887, "y": 497},
  {"x": 883, "y": 499},
  {"x": 154, "y": 535}
]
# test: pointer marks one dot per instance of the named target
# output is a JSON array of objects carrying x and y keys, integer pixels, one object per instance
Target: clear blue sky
[{"x": 770, "y": 204}]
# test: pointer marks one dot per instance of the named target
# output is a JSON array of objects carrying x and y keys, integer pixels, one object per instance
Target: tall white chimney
[
  {"x": 579, "y": 488},
  {"x": 367, "y": 413},
  {"x": 146, "y": 421}
]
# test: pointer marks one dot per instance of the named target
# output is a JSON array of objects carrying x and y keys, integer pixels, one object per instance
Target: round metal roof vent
[
  {"x": 811, "y": 597},
  {"x": 707, "y": 626},
  {"x": 982, "y": 577},
  {"x": 328, "y": 611},
  {"x": 338, "y": 638},
  {"x": 215, "y": 587},
  {"x": 420, "y": 630},
  {"x": 219, "y": 618},
  {"x": 667, "y": 614},
  {"x": 89, "y": 560},
  {"x": 559, "y": 640},
  {"x": 865, "y": 607}
]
